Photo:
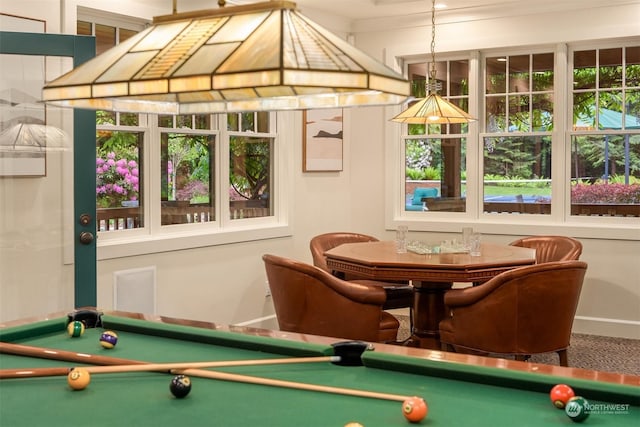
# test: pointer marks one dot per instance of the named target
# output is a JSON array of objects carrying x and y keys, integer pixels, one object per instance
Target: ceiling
[
  {"x": 358, "y": 10},
  {"x": 373, "y": 10}
]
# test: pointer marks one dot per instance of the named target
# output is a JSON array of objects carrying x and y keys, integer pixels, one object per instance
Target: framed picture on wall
[
  {"x": 23, "y": 129},
  {"x": 322, "y": 140}
]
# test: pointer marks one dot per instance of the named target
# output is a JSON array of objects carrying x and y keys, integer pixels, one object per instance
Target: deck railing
[
  {"x": 516, "y": 207},
  {"x": 110, "y": 219},
  {"x": 577, "y": 209}
]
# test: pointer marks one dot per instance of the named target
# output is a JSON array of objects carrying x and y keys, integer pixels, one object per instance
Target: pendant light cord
[{"x": 432, "y": 74}]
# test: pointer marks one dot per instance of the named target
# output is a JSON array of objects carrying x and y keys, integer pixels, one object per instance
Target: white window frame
[
  {"x": 559, "y": 221},
  {"x": 154, "y": 238}
]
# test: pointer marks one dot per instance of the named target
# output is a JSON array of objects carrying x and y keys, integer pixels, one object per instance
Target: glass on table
[
  {"x": 401, "y": 239},
  {"x": 466, "y": 237},
  {"x": 474, "y": 248}
]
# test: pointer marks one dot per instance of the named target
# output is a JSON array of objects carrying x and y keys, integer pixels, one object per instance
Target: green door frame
[{"x": 81, "y": 49}]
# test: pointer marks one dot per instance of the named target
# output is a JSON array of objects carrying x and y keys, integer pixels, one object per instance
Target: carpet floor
[{"x": 598, "y": 353}]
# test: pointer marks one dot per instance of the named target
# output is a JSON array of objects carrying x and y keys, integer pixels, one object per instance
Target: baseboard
[
  {"x": 266, "y": 322},
  {"x": 606, "y": 327}
]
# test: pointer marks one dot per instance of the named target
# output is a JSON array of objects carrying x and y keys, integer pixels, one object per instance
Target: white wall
[{"x": 227, "y": 283}]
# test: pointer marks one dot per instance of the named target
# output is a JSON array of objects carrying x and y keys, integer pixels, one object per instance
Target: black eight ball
[{"x": 180, "y": 386}]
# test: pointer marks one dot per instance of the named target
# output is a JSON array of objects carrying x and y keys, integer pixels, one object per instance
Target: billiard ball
[
  {"x": 78, "y": 378},
  {"x": 414, "y": 409},
  {"x": 108, "y": 339},
  {"x": 75, "y": 328},
  {"x": 560, "y": 395},
  {"x": 577, "y": 409},
  {"x": 352, "y": 424},
  {"x": 180, "y": 386}
]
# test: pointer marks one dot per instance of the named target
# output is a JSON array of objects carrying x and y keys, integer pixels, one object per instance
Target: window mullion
[
  {"x": 152, "y": 154},
  {"x": 561, "y": 138},
  {"x": 474, "y": 140},
  {"x": 222, "y": 174}
]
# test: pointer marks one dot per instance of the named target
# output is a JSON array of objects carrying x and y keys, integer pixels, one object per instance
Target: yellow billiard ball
[
  {"x": 78, "y": 378},
  {"x": 353, "y": 425}
]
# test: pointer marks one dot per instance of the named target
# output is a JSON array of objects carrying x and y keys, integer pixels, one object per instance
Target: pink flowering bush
[
  {"x": 192, "y": 189},
  {"x": 116, "y": 181},
  {"x": 606, "y": 193}
]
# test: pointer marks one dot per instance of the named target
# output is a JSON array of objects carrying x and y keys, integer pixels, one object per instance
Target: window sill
[
  {"x": 144, "y": 245},
  {"x": 505, "y": 224}
]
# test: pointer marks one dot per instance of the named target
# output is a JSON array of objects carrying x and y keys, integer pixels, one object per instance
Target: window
[
  {"x": 187, "y": 167},
  {"x": 250, "y": 165},
  {"x": 517, "y": 146},
  {"x": 545, "y": 149},
  {"x": 605, "y": 142},
  {"x": 435, "y": 155},
  {"x": 119, "y": 179}
]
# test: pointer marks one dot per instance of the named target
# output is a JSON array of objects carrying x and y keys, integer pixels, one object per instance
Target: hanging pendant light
[
  {"x": 256, "y": 57},
  {"x": 433, "y": 109}
]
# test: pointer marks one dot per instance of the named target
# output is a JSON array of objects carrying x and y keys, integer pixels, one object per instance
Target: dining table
[{"x": 431, "y": 275}]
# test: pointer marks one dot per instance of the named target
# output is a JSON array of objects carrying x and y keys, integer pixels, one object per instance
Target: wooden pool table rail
[{"x": 432, "y": 355}]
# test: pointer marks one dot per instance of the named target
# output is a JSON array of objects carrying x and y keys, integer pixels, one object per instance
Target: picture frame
[
  {"x": 323, "y": 140},
  {"x": 23, "y": 129}
]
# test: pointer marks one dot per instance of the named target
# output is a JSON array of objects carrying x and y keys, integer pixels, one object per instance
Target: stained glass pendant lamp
[
  {"x": 255, "y": 57},
  {"x": 433, "y": 109}
]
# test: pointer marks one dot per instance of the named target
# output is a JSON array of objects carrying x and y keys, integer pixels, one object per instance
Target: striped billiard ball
[
  {"x": 108, "y": 339},
  {"x": 75, "y": 329}
]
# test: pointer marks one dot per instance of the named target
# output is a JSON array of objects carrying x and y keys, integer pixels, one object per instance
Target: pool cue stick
[
  {"x": 346, "y": 353},
  {"x": 105, "y": 360},
  {"x": 161, "y": 367},
  {"x": 224, "y": 376},
  {"x": 69, "y": 356}
]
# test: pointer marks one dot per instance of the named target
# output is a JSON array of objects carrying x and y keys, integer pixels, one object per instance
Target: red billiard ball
[
  {"x": 414, "y": 409},
  {"x": 560, "y": 395},
  {"x": 180, "y": 386}
]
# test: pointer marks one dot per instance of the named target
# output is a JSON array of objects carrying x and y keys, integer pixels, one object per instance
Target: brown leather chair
[
  {"x": 551, "y": 248},
  {"x": 311, "y": 301},
  {"x": 524, "y": 311},
  {"x": 399, "y": 294}
]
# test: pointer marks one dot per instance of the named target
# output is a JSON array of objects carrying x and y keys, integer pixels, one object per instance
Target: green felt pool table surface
[{"x": 458, "y": 394}]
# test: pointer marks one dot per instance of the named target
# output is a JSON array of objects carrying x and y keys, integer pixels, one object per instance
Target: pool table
[{"x": 460, "y": 390}]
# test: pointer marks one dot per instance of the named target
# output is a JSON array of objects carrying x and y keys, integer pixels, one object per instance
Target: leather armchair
[
  {"x": 323, "y": 242},
  {"x": 399, "y": 294},
  {"x": 524, "y": 311},
  {"x": 311, "y": 301},
  {"x": 551, "y": 248}
]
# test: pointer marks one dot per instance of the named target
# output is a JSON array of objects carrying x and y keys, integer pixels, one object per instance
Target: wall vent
[{"x": 135, "y": 290}]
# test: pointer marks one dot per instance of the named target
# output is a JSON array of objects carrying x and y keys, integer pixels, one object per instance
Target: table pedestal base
[{"x": 429, "y": 297}]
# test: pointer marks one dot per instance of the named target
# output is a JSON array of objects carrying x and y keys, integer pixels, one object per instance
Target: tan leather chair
[
  {"x": 551, "y": 248},
  {"x": 524, "y": 311},
  {"x": 311, "y": 301},
  {"x": 399, "y": 294}
]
